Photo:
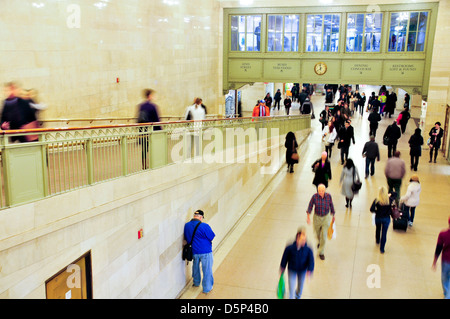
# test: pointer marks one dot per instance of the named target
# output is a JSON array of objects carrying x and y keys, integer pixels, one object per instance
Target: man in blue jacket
[
  {"x": 201, "y": 249},
  {"x": 300, "y": 261}
]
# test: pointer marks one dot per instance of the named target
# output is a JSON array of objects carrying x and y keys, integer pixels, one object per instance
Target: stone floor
[{"x": 246, "y": 264}]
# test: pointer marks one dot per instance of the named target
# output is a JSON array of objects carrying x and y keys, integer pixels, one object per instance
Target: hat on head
[
  {"x": 199, "y": 212},
  {"x": 415, "y": 177}
]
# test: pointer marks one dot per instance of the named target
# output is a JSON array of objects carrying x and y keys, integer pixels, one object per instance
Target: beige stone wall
[
  {"x": 40, "y": 239},
  {"x": 170, "y": 46}
]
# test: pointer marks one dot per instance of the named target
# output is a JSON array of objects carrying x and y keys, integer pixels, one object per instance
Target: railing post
[
  {"x": 89, "y": 162},
  {"x": 124, "y": 154}
]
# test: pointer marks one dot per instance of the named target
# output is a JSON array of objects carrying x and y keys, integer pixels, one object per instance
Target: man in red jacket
[{"x": 261, "y": 109}]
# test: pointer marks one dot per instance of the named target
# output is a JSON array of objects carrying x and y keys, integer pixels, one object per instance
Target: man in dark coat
[
  {"x": 390, "y": 138},
  {"x": 415, "y": 144},
  {"x": 405, "y": 116},
  {"x": 346, "y": 136},
  {"x": 374, "y": 118}
]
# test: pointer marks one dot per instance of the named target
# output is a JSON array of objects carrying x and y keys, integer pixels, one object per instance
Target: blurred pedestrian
[
  {"x": 329, "y": 135},
  {"x": 277, "y": 99},
  {"x": 201, "y": 249},
  {"x": 443, "y": 246},
  {"x": 291, "y": 148},
  {"x": 346, "y": 136},
  {"x": 323, "y": 216},
  {"x": 322, "y": 170},
  {"x": 373, "y": 118},
  {"x": 287, "y": 104},
  {"x": 390, "y": 138},
  {"x": 299, "y": 259},
  {"x": 394, "y": 172},
  {"x": 348, "y": 176}
]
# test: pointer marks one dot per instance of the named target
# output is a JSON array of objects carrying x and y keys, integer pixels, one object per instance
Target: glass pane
[
  {"x": 278, "y": 41},
  {"x": 355, "y": 29},
  {"x": 397, "y": 36},
  {"x": 411, "y": 41},
  {"x": 413, "y": 18},
  {"x": 423, "y": 21},
  {"x": 420, "y": 46},
  {"x": 314, "y": 33},
  {"x": 253, "y": 33},
  {"x": 234, "y": 33},
  {"x": 373, "y": 32},
  {"x": 291, "y": 23},
  {"x": 271, "y": 33}
]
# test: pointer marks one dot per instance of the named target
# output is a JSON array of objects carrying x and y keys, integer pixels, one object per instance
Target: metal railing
[{"x": 67, "y": 159}]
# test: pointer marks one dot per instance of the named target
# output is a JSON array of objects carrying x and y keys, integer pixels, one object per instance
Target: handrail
[{"x": 42, "y": 130}]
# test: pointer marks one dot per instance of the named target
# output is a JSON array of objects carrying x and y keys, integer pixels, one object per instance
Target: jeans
[
  {"x": 296, "y": 280},
  {"x": 370, "y": 162},
  {"x": 407, "y": 210},
  {"x": 392, "y": 148},
  {"x": 382, "y": 226},
  {"x": 445, "y": 278},
  {"x": 207, "y": 262}
]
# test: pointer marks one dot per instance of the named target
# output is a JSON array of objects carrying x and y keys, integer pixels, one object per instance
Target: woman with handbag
[
  {"x": 291, "y": 151},
  {"x": 382, "y": 207},
  {"x": 349, "y": 177}
]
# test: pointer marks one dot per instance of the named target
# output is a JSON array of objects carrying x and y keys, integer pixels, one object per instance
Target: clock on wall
[{"x": 320, "y": 68}]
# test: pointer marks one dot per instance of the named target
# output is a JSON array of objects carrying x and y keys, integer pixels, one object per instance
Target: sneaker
[{"x": 410, "y": 224}]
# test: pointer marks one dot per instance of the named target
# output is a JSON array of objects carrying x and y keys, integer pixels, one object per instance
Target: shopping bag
[
  {"x": 281, "y": 287},
  {"x": 332, "y": 230}
]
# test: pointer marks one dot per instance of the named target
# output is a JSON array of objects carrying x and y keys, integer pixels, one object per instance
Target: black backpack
[{"x": 187, "y": 248}]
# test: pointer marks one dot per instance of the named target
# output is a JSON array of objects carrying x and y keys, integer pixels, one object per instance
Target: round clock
[{"x": 320, "y": 68}]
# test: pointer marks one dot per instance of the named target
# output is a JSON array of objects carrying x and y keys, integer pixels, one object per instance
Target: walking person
[
  {"x": 435, "y": 140},
  {"x": 277, "y": 99},
  {"x": 443, "y": 246},
  {"x": 362, "y": 103},
  {"x": 411, "y": 199},
  {"x": 382, "y": 207},
  {"x": 394, "y": 172},
  {"x": 346, "y": 136},
  {"x": 373, "y": 118},
  {"x": 371, "y": 152},
  {"x": 390, "y": 138},
  {"x": 299, "y": 259},
  {"x": 415, "y": 148},
  {"x": 322, "y": 170},
  {"x": 329, "y": 135},
  {"x": 268, "y": 100},
  {"x": 348, "y": 176},
  {"x": 201, "y": 249},
  {"x": 323, "y": 216},
  {"x": 291, "y": 148},
  {"x": 403, "y": 119},
  {"x": 325, "y": 116},
  {"x": 287, "y": 104}
]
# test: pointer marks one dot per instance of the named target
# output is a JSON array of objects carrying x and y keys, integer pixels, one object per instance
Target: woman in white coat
[
  {"x": 329, "y": 134},
  {"x": 411, "y": 199},
  {"x": 348, "y": 176}
]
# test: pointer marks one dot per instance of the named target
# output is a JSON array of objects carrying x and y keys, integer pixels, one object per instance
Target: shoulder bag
[
  {"x": 187, "y": 248},
  {"x": 356, "y": 183},
  {"x": 295, "y": 157}
]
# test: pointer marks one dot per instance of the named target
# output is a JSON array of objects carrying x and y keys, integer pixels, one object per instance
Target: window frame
[
  {"x": 245, "y": 31},
  {"x": 305, "y": 32},
  {"x": 363, "y": 44},
  {"x": 283, "y": 33},
  {"x": 405, "y": 50}
]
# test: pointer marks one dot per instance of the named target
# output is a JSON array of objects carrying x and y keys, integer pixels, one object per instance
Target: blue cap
[{"x": 262, "y": 101}]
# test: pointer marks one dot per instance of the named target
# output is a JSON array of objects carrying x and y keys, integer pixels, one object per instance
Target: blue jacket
[
  {"x": 202, "y": 243},
  {"x": 298, "y": 260}
]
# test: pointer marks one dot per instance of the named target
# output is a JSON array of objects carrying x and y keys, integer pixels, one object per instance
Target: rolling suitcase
[{"x": 400, "y": 223}]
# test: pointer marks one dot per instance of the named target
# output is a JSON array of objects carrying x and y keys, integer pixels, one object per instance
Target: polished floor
[{"x": 246, "y": 264}]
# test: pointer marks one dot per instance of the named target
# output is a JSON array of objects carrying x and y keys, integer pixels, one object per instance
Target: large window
[
  {"x": 322, "y": 32},
  {"x": 407, "y": 31},
  {"x": 282, "y": 33},
  {"x": 364, "y": 32},
  {"x": 245, "y": 33}
]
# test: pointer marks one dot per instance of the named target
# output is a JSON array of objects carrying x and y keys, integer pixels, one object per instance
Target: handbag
[
  {"x": 281, "y": 289},
  {"x": 295, "y": 157},
  {"x": 356, "y": 183},
  {"x": 386, "y": 140},
  {"x": 187, "y": 248},
  {"x": 395, "y": 212}
]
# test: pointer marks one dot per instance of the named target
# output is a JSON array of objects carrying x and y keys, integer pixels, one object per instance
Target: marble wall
[
  {"x": 72, "y": 52},
  {"x": 40, "y": 239}
]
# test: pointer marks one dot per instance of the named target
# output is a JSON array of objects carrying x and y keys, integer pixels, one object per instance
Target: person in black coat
[
  {"x": 390, "y": 138},
  {"x": 404, "y": 119},
  {"x": 291, "y": 148},
  {"x": 277, "y": 99},
  {"x": 374, "y": 118},
  {"x": 346, "y": 136},
  {"x": 287, "y": 104},
  {"x": 435, "y": 140},
  {"x": 415, "y": 145},
  {"x": 322, "y": 170}
]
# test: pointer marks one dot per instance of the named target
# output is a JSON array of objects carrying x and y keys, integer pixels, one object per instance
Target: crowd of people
[{"x": 388, "y": 204}]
